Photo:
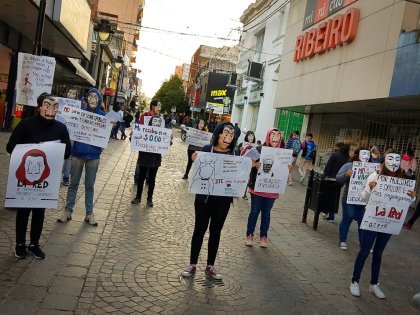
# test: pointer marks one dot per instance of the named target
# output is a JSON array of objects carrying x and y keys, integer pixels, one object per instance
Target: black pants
[
  {"x": 190, "y": 161},
  {"x": 415, "y": 215},
  {"x": 143, "y": 171},
  {"x": 214, "y": 212},
  {"x": 37, "y": 223}
]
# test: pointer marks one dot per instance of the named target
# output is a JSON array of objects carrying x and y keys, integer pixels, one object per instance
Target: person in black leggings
[{"x": 211, "y": 210}]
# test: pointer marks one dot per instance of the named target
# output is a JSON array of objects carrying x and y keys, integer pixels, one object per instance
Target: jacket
[
  {"x": 86, "y": 151},
  {"x": 335, "y": 162},
  {"x": 343, "y": 179}
]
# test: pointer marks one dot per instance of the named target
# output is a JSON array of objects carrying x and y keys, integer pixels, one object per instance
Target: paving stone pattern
[{"x": 131, "y": 263}]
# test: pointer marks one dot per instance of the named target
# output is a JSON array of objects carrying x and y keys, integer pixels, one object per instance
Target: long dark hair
[{"x": 355, "y": 156}]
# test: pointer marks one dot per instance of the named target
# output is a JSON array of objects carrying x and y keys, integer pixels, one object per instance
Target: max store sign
[{"x": 328, "y": 35}]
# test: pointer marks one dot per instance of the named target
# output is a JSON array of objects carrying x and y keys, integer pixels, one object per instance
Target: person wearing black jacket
[
  {"x": 41, "y": 128},
  {"x": 211, "y": 210}
]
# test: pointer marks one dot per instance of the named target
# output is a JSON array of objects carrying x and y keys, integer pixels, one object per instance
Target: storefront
[{"x": 352, "y": 67}]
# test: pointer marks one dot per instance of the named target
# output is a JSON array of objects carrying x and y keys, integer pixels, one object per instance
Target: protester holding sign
[
  {"x": 211, "y": 210},
  {"x": 391, "y": 168},
  {"x": 192, "y": 148},
  {"x": 38, "y": 129},
  {"x": 350, "y": 211},
  {"x": 262, "y": 201},
  {"x": 84, "y": 156},
  {"x": 247, "y": 144}
]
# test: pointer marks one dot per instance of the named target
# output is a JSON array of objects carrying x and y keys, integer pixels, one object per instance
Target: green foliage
[{"x": 171, "y": 94}]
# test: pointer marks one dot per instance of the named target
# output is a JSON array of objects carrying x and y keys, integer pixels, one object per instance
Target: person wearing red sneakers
[
  {"x": 261, "y": 202},
  {"x": 211, "y": 210}
]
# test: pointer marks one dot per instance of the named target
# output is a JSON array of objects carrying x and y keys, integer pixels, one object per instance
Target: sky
[{"x": 159, "y": 52}]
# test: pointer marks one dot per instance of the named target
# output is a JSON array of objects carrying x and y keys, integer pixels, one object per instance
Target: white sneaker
[
  {"x": 90, "y": 219},
  {"x": 355, "y": 289},
  {"x": 65, "y": 216},
  {"x": 301, "y": 179},
  {"x": 374, "y": 288},
  {"x": 343, "y": 245},
  {"x": 290, "y": 183}
]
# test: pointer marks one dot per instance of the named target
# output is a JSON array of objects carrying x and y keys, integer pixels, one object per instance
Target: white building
[{"x": 264, "y": 26}]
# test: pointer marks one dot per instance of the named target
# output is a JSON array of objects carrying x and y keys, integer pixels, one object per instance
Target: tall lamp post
[
  {"x": 105, "y": 32},
  {"x": 118, "y": 63}
]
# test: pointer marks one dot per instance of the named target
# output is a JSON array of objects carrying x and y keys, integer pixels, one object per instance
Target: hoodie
[
  {"x": 86, "y": 151},
  {"x": 254, "y": 170}
]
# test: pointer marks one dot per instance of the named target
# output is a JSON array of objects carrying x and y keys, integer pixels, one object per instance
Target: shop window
[
  {"x": 259, "y": 45},
  {"x": 254, "y": 117}
]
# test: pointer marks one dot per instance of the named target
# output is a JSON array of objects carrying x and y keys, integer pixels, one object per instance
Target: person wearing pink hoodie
[{"x": 261, "y": 202}]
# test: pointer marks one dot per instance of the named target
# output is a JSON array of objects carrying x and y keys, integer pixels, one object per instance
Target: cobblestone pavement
[{"x": 131, "y": 262}]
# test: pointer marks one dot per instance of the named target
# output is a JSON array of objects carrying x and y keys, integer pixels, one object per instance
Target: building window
[
  {"x": 281, "y": 19},
  {"x": 240, "y": 115},
  {"x": 254, "y": 117},
  {"x": 259, "y": 45}
]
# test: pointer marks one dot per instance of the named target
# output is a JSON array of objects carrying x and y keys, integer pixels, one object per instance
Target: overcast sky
[{"x": 212, "y": 18}]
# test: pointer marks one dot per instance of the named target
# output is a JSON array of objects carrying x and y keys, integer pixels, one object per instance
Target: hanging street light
[
  {"x": 105, "y": 34},
  {"x": 118, "y": 64}
]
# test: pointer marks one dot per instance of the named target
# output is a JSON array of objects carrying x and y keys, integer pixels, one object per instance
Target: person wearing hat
[{"x": 41, "y": 128}]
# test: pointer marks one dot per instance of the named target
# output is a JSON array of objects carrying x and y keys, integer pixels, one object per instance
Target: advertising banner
[
  {"x": 151, "y": 139},
  {"x": 361, "y": 171},
  {"x": 197, "y": 137},
  {"x": 219, "y": 98}
]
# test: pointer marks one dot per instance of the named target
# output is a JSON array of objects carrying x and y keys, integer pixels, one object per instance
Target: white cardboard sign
[
  {"x": 219, "y": 174},
  {"x": 113, "y": 116},
  {"x": 197, "y": 137},
  {"x": 151, "y": 139},
  {"x": 361, "y": 171},
  {"x": 34, "y": 175},
  {"x": 62, "y": 101}
]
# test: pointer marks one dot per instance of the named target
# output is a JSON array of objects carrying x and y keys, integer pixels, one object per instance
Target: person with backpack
[
  {"x": 294, "y": 144},
  {"x": 308, "y": 156}
]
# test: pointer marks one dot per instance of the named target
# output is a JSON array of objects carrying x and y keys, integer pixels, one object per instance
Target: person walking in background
[
  {"x": 41, "y": 128},
  {"x": 390, "y": 167},
  {"x": 339, "y": 157},
  {"x": 211, "y": 125},
  {"x": 125, "y": 122},
  {"x": 84, "y": 156},
  {"x": 248, "y": 143},
  {"x": 409, "y": 164},
  {"x": 237, "y": 131},
  {"x": 114, "y": 132},
  {"x": 211, "y": 211},
  {"x": 192, "y": 148},
  {"x": 375, "y": 155},
  {"x": 308, "y": 156},
  {"x": 293, "y": 143},
  {"x": 350, "y": 212}
]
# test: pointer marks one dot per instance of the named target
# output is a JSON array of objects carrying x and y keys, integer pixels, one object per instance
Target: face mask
[
  {"x": 201, "y": 125},
  {"x": 392, "y": 162},
  {"x": 275, "y": 138},
  {"x": 251, "y": 138},
  {"x": 93, "y": 100},
  {"x": 364, "y": 155},
  {"x": 34, "y": 167},
  {"x": 72, "y": 94},
  {"x": 226, "y": 138},
  {"x": 48, "y": 109}
]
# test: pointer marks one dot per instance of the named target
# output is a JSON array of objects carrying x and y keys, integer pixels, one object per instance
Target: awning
[{"x": 80, "y": 71}]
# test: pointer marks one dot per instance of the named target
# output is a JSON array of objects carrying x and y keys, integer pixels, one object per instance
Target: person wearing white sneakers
[{"x": 390, "y": 167}]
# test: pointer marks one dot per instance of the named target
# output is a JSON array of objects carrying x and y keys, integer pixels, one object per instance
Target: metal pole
[
  {"x": 117, "y": 87},
  {"x": 308, "y": 195},
  {"x": 37, "y": 48},
  {"x": 98, "y": 75}
]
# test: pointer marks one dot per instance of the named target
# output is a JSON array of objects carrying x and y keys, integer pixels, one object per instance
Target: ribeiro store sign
[{"x": 340, "y": 29}]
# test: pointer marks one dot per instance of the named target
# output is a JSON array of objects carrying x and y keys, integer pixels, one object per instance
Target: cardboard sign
[
  {"x": 35, "y": 76},
  {"x": 151, "y": 139},
  {"x": 273, "y": 172},
  {"x": 113, "y": 116},
  {"x": 361, "y": 171},
  {"x": 158, "y": 122},
  {"x": 35, "y": 175},
  {"x": 388, "y": 205},
  {"x": 62, "y": 101},
  {"x": 87, "y": 127},
  {"x": 197, "y": 137},
  {"x": 219, "y": 175}
]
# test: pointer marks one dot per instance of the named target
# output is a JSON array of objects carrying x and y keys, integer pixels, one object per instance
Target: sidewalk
[{"x": 131, "y": 262}]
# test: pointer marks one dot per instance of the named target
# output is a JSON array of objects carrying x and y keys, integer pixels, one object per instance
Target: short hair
[
  {"x": 43, "y": 97},
  {"x": 153, "y": 103},
  {"x": 309, "y": 134}
]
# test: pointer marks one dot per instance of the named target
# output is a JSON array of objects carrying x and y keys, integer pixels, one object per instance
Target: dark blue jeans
[
  {"x": 350, "y": 213},
  {"x": 264, "y": 205},
  {"x": 368, "y": 238}
]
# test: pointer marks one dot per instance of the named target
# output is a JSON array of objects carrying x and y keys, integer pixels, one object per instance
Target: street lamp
[
  {"x": 105, "y": 33},
  {"x": 118, "y": 63}
]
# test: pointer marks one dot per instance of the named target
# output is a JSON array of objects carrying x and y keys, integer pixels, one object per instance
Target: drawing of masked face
[
  {"x": 392, "y": 162},
  {"x": 268, "y": 164},
  {"x": 48, "y": 108},
  {"x": 34, "y": 167},
  {"x": 156, "y": 121},
  {"x": 226, "y": 137},
  {"x": 364, "y": 155},
  {"x": 275, "y": 136},
  {"x": 93, "y": 100}
]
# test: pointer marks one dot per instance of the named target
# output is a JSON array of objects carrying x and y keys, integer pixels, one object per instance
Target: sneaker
[
  {"x": 290, "y": 183},
  {"x": 249, "y": 240},
  {"x": 65, "y": 216},
  {"x": 36, "y": 251},
  {"x": 212, "y": 271},
  {"x": 329, "y": 220},
  {"x": 355, "y": 289},
  {"x": 66, "y": 181},
  {"x": 301, "y": 179},
  {"x": 407, "y": 225},
  {"x": 245, "y": 197},
  {"x": 374, "y": 288},
  {"x": 136, "y": 201},
  {"x": 90, "y": 219},
  {"x": 20, "y": 251},
  {"x": 343, "y": 245},
  {"x": 149, "y": 203},
  {"x": 185, "y": 176},
  {"x": 263, "y": 241},
  {"x": 190, "y": 271}
]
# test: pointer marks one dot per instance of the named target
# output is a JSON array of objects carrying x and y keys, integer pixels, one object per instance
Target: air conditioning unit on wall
[{"x": 255, "y": 71}]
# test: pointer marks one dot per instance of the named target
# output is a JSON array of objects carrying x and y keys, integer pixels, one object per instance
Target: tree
[{"x": 171, "y": 93}]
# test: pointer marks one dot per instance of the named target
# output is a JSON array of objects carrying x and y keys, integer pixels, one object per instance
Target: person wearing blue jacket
[{"x": 84, "y": 156}]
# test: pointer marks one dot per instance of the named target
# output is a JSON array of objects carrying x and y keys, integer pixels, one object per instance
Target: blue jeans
[
  {"x": 91, "y": 168},
  {"x": 368, "y": 238},
  {"x": 264, "y": 205},
  {"x": 350, "y": 213},
  {"x": 67, "y": 167}
]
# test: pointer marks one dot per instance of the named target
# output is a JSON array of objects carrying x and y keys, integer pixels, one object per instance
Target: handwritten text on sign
[
  {"x": 34, "y": 175},
  {"x": 361, "y": 171},
  {"x": 87, "y": 127},
  {"x": 35, "y": 76},
  {"x": 151, "y": 139},
  {"x": 388, "y": 205},
  {"x": 197, "y": 137},
  {"x": 219, "y": 175}
]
